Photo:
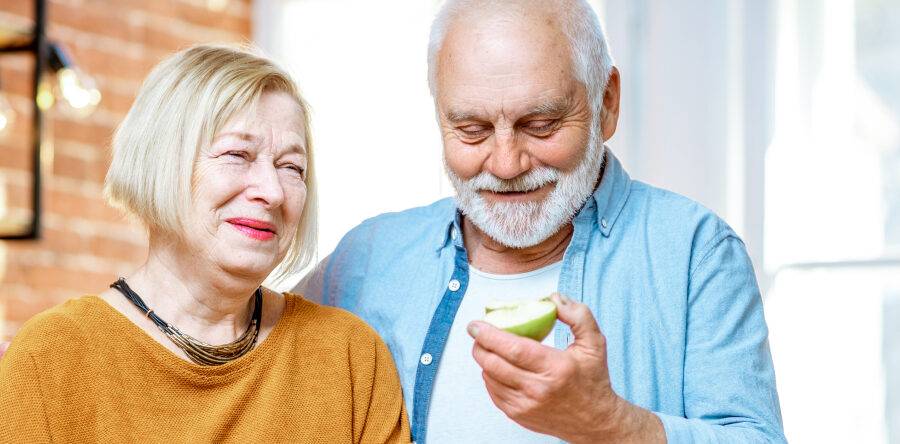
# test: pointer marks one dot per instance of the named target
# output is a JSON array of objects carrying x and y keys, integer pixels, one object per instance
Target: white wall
[{"x": 361, "y": 65}]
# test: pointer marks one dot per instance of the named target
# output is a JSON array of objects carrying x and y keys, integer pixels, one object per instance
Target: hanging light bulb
[
  {"x": 44, "y": 98},
  {"x": 216, "y": 5},
  {"x": 7, "y": 115},
  {"x": 78, "y": 91}
]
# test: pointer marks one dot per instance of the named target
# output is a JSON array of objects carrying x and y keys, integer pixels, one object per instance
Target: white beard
[{"x": 525, "y": 224}]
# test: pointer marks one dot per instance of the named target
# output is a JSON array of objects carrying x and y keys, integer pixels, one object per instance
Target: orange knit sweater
[{"x": 82, "y": 372}]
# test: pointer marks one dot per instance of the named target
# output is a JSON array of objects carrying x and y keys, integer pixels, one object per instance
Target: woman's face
[{"x": 249, "y": 189}]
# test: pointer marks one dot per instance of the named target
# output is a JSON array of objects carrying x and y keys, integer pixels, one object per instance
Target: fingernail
[
  {"x": 473, "y": 330},
  {"x": 564, "y": 298}
]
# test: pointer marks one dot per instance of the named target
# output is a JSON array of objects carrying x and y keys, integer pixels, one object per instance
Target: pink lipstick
[{"x": 256, "y": 229}]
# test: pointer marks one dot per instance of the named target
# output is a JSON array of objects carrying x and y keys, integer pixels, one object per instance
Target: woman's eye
[{"x": 295, "y": 168}]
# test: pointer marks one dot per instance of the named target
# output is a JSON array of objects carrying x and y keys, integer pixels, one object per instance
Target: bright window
[{"x": 833, "y": 221}]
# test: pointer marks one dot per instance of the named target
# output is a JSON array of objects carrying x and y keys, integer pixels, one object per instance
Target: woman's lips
[{"x": 253, "y": 228}]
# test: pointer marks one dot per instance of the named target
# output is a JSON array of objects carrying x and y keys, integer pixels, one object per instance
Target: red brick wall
[{"x": 85, "y": 243}]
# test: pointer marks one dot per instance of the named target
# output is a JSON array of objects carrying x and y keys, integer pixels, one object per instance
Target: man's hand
[
  {"x": 563, "y": 393},
  {"x": 3, "y": 347}
]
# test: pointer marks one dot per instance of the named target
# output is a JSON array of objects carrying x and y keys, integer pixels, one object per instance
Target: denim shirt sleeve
[{"x": 729, "y": 382}]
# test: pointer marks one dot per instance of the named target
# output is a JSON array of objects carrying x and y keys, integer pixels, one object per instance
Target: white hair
[{"x": 591, "y": 60}]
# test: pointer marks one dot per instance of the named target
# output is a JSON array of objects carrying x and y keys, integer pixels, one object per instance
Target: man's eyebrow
[
  {"x": 457, "y": 116},
  {"x": 551, "y": 108}
]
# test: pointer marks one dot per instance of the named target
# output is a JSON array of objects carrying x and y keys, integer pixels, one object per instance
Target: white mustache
[{"x": 529, "y": 181}]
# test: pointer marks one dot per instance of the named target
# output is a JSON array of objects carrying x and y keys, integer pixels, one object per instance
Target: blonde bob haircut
[{"x": 182, "y": 105}]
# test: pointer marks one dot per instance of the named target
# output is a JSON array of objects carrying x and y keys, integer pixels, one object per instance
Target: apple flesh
[{"x": 530, "y": 318}]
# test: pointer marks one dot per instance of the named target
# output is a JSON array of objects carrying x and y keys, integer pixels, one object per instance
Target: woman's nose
[{"x": 264, "y": 185}]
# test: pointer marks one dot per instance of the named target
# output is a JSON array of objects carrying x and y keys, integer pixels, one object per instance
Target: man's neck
[{"x": 488, "y": 255}]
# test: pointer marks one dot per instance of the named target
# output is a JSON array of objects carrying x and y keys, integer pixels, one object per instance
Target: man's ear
[{"x": 609, "y": 115}]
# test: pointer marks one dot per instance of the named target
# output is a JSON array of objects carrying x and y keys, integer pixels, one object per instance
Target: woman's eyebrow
[
  {"x": 243, "y": 135},
  {"x": 297, "y": 148}
]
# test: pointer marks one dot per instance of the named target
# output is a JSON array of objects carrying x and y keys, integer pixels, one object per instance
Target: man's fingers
[
  {"x": 500, "y": 393},
  {"x": 498, "y": 368},
  {"x": 3, "y": 347},
  {"x": 514, "y": 403},
  {"x": 580, "y": 319},
  {"x": 525, "y": 353}
]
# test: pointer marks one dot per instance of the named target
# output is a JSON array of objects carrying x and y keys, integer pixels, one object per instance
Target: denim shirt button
[
  {"x": 454, "y": 285},
  {"x": 603, "y": 222},
  {"x": 426, "y": 359}
]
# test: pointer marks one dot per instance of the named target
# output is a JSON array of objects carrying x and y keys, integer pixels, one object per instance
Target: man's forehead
[
  {"x": 488, "y": 38},
  {"x": 474, "y": 94}
]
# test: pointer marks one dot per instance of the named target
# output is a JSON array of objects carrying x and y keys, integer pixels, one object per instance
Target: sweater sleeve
[
  {"x": 24, "y": 417},
  {"x": 379, "y": 414},
  {"x": 729, "y": 380}
]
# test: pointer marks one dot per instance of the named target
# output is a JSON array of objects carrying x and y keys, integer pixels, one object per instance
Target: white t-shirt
[{"x": 461, "y": 411}]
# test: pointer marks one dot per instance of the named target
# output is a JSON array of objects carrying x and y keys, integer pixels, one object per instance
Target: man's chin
[
  {"x": 520, "y": 242},
  {"x": 512, "y": 235}
]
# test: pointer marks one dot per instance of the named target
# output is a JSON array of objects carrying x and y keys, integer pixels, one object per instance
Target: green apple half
[{"x": 530, "y": 318}]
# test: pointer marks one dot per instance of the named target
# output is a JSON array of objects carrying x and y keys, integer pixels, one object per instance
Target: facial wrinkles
[
  {"x": 505, "y": 101},
  {"x": 508, "y": 95}
]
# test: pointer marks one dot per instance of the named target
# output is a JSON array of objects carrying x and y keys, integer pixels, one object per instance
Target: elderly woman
[{"x": 215, "y": 159}]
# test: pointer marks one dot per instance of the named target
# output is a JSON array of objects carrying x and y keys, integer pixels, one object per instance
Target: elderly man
[{"x": 664, "y": 335}]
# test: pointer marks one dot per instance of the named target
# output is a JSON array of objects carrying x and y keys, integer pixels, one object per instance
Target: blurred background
[{"x": 783, "y": 116}]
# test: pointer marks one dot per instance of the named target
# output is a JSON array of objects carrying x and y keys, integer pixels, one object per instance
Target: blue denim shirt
[{"x": 670, "y": 284}]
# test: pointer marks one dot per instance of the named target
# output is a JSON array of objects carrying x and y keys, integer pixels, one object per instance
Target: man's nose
[
  {"x": 508, "y": 158},
  {"x": 264, "y": 186}
]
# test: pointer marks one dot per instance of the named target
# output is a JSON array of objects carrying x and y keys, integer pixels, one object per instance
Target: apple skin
[{"x": 536, "y": 328}]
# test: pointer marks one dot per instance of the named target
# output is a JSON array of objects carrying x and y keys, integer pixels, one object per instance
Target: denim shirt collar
[
  {"x": 607, "y": 203},
  {"x": 610, "y": 197},
  {"x": 452, "y": 229}
]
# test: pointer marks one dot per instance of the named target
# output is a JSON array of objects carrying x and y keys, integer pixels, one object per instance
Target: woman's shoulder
[
  {"x": 335, "y": 335},
  {"x": 62, "y": 325},
  {"x": 333, "y": 321}
]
